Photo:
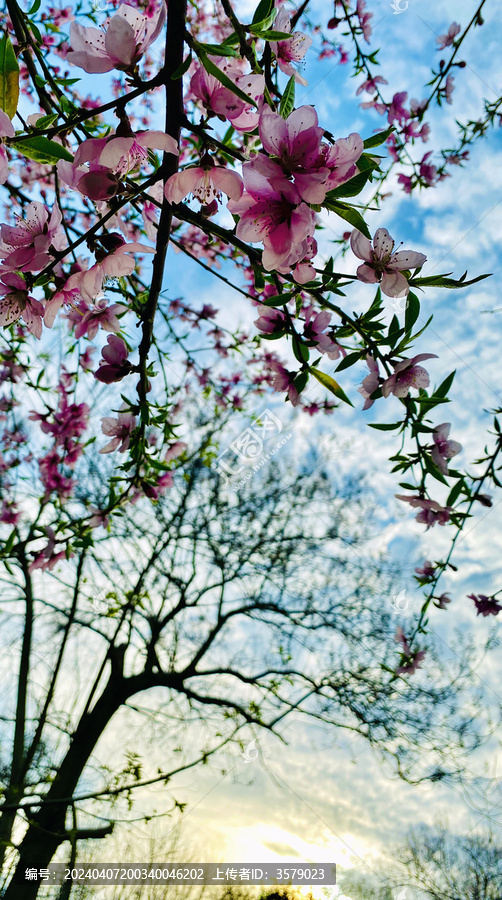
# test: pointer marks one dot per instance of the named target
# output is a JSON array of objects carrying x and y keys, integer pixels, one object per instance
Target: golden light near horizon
[{"x": 268, "y": 843}]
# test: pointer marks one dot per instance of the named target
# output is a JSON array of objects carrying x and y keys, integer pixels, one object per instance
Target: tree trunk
[{"x": 47, "y": 827}]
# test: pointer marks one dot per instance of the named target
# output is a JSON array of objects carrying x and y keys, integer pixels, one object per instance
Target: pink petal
[
  {"x": 6, "y": 126},
  {"x": 366, "y": 274},
  {"x": 120, "y": 40},
  {"x": 94, "y": 65},
  {"x": 407, "y": 259},
  {"x": 182, "y": 183},
  {"x": 394, "y": 284},
  {"x": 158, "y": 140},
  {"x": 273, "y": 131},
  {"x": 383, "y": 243},
  {"x": 360, "y": 245},
  {"x": 227, "y": 181},
  {"x": 89, "y": 151}
]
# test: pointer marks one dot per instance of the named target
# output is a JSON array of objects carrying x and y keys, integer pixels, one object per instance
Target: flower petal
[
  {"x": 360, "y": 245},
  {"x": 120, "y": 40},
  {"x": 407, "y": 259},
  {"x": 383, "y": 243},
  {"x": 394, "y": 284}
]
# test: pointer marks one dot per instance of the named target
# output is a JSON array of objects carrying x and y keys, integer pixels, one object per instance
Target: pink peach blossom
[
  {"x": 114, "y": 365},
  {"x": 111, "y": 265},
  {"x": 100, "y": 316},
  {"x": 270, "y": 321},
  {"x": 430, "y": 513},
  {"x": 428, "y": 570},
  {"x": 16, "y": 304},
  {"x": 26, "y": 245},
  {"x": 407, "y": 375},
  {"x": 291, "y": 50},
  {"x": 206, "y": 183},
  {"x": 121, "y": 155},
  {"x": 119, "y": 430},
  {"x": 295, "y": 140},
  {"x": 284, "y": 381},
  {"x": 413, "y": 658},
  {"x": 485, "y": 606},
  {"x": 446, "y": 40},
  {"x": 67, "y": 295},
  {"x": 370, "y": 383},
  {"x": 443, "y": 448},
  {"x": 335, "y": 164},
  {"x": 221, "y": 101},
  {"x": 93, "y": 181},
  {"x": 121, "y": 46},
  {"x": 382, "y": 264},
  {"x": 271, "y": 210}
]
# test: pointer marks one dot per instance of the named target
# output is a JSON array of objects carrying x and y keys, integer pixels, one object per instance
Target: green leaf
[
  {"x": 263, "y": 12},
  {"x": 288, "y": 99},
  {"x": 350, "y": 188},
  {"x": 351, "y": 215},
  {"x": 43, "y": 151},
  {"x": 9, "y": 77},
  {"x": 444, "y": 281},
  {"x": 34, "y": 9},
  {"x": 219, "y": 50},
  {"x": 412, "y": 311},
  {"x": 180, "y": 71},
  {"x": 390, "y": 427},
  {"x": 300, "y": 381},
  {"x": 213, "y": 69},
  {"x": 36, "y": 32},
  {"x": 300, "y": 349},
  {"x": 443, "y": 388},
  {"x": 455, "y": 492},
  {"x": 328, "y": 382},
  {"x": 348, "y": 360},
  {"x": 377, "y": 139},
  {"x": 433, "y": 470},
  {"x": 269, "y": 35},
  {"x": 278, "y": 299},
  {"x": 47, "y": 121}
]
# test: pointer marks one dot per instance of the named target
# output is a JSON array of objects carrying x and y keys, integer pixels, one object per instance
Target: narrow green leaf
[
  {"x": 412, "y": 311},
  {"x": 328, "y": 382},
  {"x": 43, "y": 151},
  {"x": 34, "y": 9},
  {"x": 180, "y": 71},
  {"x": 351, "y": 215},
  {"x": 36, "y": 32},
  {"x": 278, "y": 299},
  {"x": 47, "y": 121},
  {"x": 264, "y": 10},
  {"x": 219, "y": 49},
  {"x": 443, "y": 388},
  {"x": 9, "y": 77},
  {"x": 288, "y": 99},
  {"x": 213, "y": 69},
  {"x": 300, "y": 350},
  {"x": 390, "y": 427},
  {"x": 350, "y": 188},
  {"x": 348, "y": 361},
  {"x": 300, "y": 381},
  {"x": 377, "y": 139},
  {"x": 269, "y": 35},
  {"x": 445, "y": 282},
  {"x": 455, "y": 492}
]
